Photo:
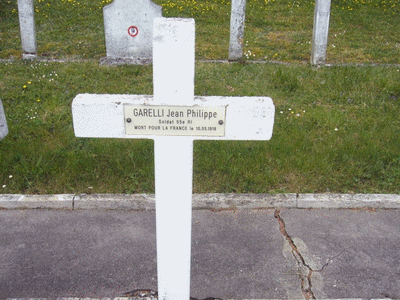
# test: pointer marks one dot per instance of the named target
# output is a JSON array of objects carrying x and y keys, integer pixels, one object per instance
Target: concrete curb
[
  {"x": 151, "y": 298},
  {"x": 12, "y": 201},
  {"x": 201, "y": 201}
]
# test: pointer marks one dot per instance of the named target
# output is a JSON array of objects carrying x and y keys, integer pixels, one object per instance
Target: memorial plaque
[{"x": 174, "y": 120}]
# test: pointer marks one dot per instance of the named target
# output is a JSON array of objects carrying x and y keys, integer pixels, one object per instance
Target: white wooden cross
[{"x": 173, "y": 118}]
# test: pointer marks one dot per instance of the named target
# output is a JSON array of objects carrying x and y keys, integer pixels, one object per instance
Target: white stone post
[
  {"x": 320, "y": 31},
  {"x": 238, "y": 10},
  {"x": 3, "y": 122},
  {"x": 27, "y": 27}
]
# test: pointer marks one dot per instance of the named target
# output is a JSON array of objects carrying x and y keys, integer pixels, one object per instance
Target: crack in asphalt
[
  {"x": 73, "y": 202},
  {"x": 329, "y": 261},
  {"x": 305, "y": 280}
]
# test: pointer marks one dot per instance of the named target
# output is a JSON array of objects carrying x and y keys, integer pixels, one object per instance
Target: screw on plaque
[
  {"x": 129, "y": 120},
  {"x": 220, "y": 122}
]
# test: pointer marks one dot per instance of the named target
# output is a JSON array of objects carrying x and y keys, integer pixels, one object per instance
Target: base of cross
[
  {"x": 150, "y": 294},
  {"x": 173, "y": 118}
]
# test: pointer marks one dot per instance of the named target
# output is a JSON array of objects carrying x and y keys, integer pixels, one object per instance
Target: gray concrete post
[
  {"x": 237, "y": 29},
  {"x": 320, "y": 31},
  {"x": 3, "y": 122},
  {"x": 27, "y": 27}
]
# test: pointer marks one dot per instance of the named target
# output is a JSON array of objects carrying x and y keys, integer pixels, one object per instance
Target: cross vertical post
[{"x": 173, "y": 78}]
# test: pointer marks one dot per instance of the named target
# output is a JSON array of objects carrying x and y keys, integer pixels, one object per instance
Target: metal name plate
[{"x": 174, "y": 120}]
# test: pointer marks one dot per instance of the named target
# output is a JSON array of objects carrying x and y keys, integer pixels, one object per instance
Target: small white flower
[
  {"x": 281, "y": 112},
  {"x": 336, "y": 129},
  {"x": 4, "y": 186},
  {"x": 10, "y": 176}
]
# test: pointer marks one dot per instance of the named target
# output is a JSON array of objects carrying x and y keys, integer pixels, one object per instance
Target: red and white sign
[{"x": 133, "y": 31}]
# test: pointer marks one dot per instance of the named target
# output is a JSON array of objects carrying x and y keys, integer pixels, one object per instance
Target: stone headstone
[
  {"x": 128, "y": 26},
  {"x": 3, "y": 122},
  {"x": 27, "y": 26}
]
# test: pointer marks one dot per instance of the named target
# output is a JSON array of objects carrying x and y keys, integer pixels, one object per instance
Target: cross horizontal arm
[{"x": 102, "y": 116}]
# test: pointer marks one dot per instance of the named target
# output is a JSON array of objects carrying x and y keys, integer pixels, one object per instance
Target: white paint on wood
[
  {"x": 173, "y": 64},
  {"x": 247, "y": 118},
  {"x": 173, "y": 78},
  {"x": 173, "y": 158},
  {"x": 173, "y": 75}
]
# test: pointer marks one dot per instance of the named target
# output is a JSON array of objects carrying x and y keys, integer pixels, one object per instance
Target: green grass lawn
[{"x": 336, "y": 128}]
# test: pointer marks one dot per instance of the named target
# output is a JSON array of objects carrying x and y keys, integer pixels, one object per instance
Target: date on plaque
[{"x": 174, "y": 120}]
